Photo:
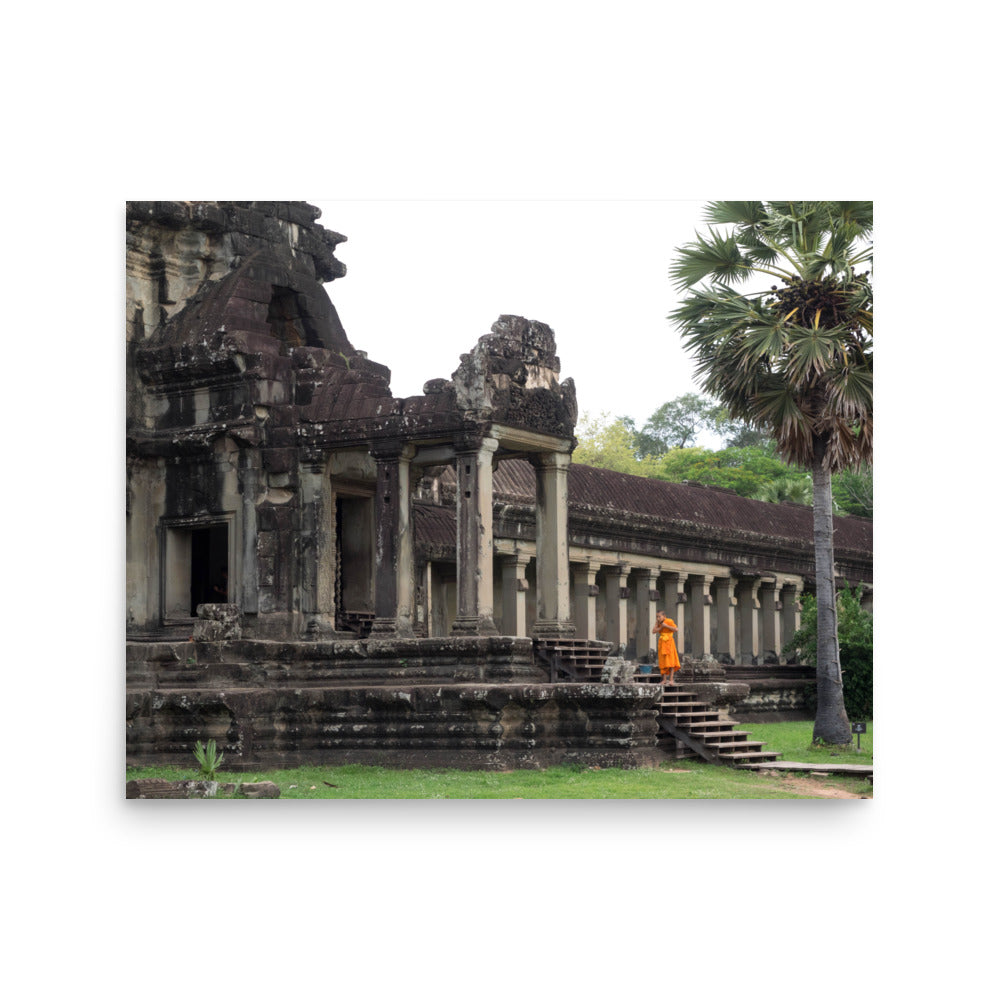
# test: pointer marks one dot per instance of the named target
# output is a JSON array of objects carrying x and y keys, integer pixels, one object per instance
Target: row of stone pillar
[
  {"x": 753, "y": 615},
  {"x": 394, "y": 562}
]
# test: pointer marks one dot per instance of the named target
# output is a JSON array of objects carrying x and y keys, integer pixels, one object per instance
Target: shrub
[
  {"x": 207, "y": 757},
  {"x": 856, "y": 639}
]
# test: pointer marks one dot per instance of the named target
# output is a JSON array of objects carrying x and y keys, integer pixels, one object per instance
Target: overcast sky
[{"x": 426, "y": 279}]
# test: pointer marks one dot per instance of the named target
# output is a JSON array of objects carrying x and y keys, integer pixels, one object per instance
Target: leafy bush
[{"x": 856, "y": 639}]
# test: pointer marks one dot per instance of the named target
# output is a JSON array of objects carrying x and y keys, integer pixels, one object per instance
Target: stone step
[
  {"x": 735, "y": 736},
  {"x": 749, "y": 754},
  {"x": 693, "y": 716},
  {"x": 691, "y": 725},
  {"x": 673, "y": 704},
  {"x": 704, "y": 725}
]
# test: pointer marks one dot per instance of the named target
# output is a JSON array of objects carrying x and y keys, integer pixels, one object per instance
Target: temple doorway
[
  {"x": 209, "y": 566},
  {"x": 196, "y": 568},
  {"x": 355, "y": 534}
]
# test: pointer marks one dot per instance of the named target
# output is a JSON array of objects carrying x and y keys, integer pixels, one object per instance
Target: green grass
[
  {"x": 687, "y": 779},
  {"x": 793, "y": 740}
]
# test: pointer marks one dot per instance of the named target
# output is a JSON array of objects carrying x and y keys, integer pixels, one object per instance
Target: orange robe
[{"x": 666, "y": 649}]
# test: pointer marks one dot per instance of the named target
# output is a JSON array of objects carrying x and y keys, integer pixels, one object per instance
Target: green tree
[
  {"x": 606, "y": 444},
  {"x": 743, "y": 470},
  {"x": 794, "y": 359},
  {"x": 677, "y": 424},
  {"x": 856, "y": 640},
  {"x": 853, "y": 492},
  {"x": 738, "y": 434}
]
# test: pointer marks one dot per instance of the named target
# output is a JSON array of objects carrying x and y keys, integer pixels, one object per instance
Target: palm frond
[
  {"x": 851, "y": 391},
  {"x": 716, "y": 257},
  {"x": 859, "y": 215},
  {"x": 810, "y": 352},
  {"x": 737, "y": 213}
]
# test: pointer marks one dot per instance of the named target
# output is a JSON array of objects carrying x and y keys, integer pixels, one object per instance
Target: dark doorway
[
  {"x": 210, "y": 566},
  {"x": 355, "y": 533}
]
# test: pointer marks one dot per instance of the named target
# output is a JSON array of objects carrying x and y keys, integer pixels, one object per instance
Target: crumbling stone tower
[{"x": 269, "y": 465}]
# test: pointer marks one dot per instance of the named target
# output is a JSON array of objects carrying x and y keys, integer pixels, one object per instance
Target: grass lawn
[
  {"x": 687, "y": 779},
  {"x": 793, "y": 740}
]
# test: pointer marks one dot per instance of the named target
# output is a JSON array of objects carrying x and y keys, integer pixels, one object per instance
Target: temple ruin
[{"x": 318, "y": 570}]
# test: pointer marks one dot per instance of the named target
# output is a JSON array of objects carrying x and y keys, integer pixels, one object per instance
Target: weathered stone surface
[
  {"x": 472, "y": 724},
  {"x": 218, "y": 622},
  {"x": 260, "y": 790},
  {"x": 158, "y": 788},
  {"x": 512, "y": 377}
]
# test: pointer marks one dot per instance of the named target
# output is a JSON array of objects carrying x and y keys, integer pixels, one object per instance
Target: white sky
[{"x": 425, "y": 279}]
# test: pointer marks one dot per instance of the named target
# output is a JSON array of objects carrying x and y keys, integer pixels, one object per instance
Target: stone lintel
[{"x": 519, "y": 440}]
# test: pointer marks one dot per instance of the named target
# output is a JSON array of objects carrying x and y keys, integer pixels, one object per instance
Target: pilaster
[
  {"x": 317, "y": 565},
  {"x": 616, "y": 606},
  {"x": 748, "y": 605},
  {"x": 515, "y": 588},
  {"x": 394, "y": 584},
  {"x": 585, "y": 591},
  {"x": 553, "y": 616},
  {"x": 646, "y": 597},
  {"x": 474, "y": 541},
  {"x": 701, "y": 619},
  {"x": 791, "y": 611},
  {"x": 674, "y": 603},
  {"x": 770, "y": 611},
  {"x": 725, "y": 617}
]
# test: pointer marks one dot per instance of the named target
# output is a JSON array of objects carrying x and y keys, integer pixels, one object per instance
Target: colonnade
[
  {"x": 546, "y": 588},
  {"x": 475, "y": 603},
  {"x": 718, "y": 612}
]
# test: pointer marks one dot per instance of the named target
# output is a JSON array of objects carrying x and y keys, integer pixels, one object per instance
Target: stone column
[
  {"x": 474, "y": 543},
  {"x": 515, "y": 587},
  {"x": 616, "y": 610},
  {"x": 585, "y": 591},
  {"x": 791, "y": 611},
  {"x": 553, "y": 613},
  {"x": 318, "y": 549},
  {"x": 701, "y": 619},
  {"x": 770, "y": 609},
  {"x": 674, "y": 602},
  {"x": 646, "y": 597},
  {"x": 393, "y": 541},
  {"x": 725, "y": 618},
  {"x": 248, "y": 588},
  {"x": 749, "y": 607}
]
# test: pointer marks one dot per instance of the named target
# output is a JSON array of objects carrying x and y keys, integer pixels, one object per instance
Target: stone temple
[{"x": 320, "y": 571}]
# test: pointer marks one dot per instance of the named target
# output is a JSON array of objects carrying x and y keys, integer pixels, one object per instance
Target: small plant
[{"x": 208, "y": 759}]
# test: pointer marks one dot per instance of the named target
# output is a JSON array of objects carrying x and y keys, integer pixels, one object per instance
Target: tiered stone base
[{"x": 466, "y": 703}]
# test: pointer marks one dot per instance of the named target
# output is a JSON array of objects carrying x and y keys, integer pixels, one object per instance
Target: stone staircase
[
  {"x": 690, "y": 728},
  {"x": 579, "y": 660}
]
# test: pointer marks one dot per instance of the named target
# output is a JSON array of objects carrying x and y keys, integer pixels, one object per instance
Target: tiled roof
[{"x": 619, "y": 495}]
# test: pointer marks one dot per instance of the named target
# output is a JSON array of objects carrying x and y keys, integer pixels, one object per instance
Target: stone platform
[{"x": 474, "y": 703}]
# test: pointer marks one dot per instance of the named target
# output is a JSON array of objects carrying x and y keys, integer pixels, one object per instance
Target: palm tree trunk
[{"x": 832, "y": 724}]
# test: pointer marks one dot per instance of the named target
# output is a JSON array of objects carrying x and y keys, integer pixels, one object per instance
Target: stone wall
[{"x": 403, "y": 704}]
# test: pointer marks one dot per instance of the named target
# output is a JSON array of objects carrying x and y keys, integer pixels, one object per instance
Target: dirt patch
[{"x": 818, "y": 788}]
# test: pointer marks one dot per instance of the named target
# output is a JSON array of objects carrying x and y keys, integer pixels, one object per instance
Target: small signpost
[{"x": 859, "y": 728}]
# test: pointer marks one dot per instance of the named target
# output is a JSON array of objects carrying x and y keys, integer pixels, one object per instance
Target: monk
[{"x": 666, "y": 648}]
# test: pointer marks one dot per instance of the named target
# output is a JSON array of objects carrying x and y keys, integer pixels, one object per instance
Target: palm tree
[
  {"x": 793, "y": 359},
  {"x": 786, "y": 489}
]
